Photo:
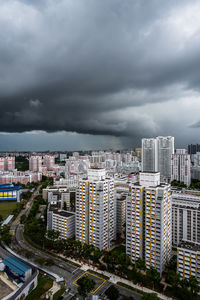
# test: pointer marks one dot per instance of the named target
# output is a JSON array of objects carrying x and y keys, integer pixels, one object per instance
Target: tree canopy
[
  {"x": 112, "y": 293},
  {"x": 85, "y": 285}
]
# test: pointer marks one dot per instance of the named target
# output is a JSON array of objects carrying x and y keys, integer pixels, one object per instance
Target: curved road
[{"x": 60, "y": 267}]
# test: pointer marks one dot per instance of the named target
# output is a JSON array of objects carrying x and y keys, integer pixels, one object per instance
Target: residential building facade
[
  {"x": 180, "y": 167},
  {"x": 148, "y": 221},
  {"x": 96, "y": 210}
]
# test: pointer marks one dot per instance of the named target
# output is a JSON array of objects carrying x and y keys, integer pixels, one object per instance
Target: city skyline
[{"x": 116, "y": 72}]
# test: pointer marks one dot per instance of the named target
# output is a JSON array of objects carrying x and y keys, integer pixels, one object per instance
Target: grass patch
[
  {"x": 58, "y": 294},
  {"x": 6, "y": 208},
  {"x": 44, "y": 285}
]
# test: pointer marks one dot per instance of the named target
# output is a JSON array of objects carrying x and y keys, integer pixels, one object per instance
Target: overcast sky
[{"x": 93, "y": 74}]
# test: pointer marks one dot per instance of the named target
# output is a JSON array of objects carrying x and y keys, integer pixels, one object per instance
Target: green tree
[
  {"x": 112, "y": 293},
  {"x": 173, "y": 278},
  {"x": 140, "y": 264},
  {"x": 23, "y": 219},
  {"x": 5, "y": 235},
  {"x": 85, "y": 285},
  {"x": 96, "y": 255},
  {"x": 153, "y": 276},
  {"x": 184, "y": 283},
  {"x": 151, "y": 296},
  {"x": 53, "y": 234},
  {"x": 1, "y": 218},
  {"x": 193, "y": 284}
]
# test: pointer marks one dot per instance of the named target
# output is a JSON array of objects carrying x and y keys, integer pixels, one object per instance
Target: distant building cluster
[
  {"x": 103, "y": 196},
  {"x": 19, "y": 177},
  {"x": 7, "y": 163}
]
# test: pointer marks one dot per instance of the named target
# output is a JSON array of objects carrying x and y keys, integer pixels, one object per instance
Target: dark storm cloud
[{"x": 77, "y": 65}]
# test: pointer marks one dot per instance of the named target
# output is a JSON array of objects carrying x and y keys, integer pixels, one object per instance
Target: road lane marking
[{"x": 94, "y": 275}]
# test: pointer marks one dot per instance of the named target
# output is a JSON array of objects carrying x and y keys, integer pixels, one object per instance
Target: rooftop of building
[
  {"x": 5, "y": 289},
  {"x": 9, "y": 187},
  {"x": 150, "y": 172},
  {"x": 162, "y": 184},
  {"x": 189, "y": 246},
  {"x": 16, "y": 265},
  {"x": 96, "y": 168},
  {"x": 63, "y": 213}
]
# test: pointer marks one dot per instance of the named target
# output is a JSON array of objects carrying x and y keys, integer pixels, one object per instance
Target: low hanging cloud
[{"x": 93, "y": 67}]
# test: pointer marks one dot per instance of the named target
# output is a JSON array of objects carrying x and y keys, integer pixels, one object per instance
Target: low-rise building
[
  {"x": 19, "y": 177},
  {"x": 61, "y": 221},
  {"x": 188, "y": 260},
  {"x": 8, "y": 192}
]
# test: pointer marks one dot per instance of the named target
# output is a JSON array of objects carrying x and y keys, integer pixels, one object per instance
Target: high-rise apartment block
[
  {"x": 96, "y": 210},
  {"x": 196, "y": 159},
  {"x": 121, "y": 213},
  {"x": 180, "y": 167},
  {"x": 49, "y": 162},
  {"x": 7, "y": 163},
  {"x": 185, "y": 217},
  {"x": 35, "y": 163},
  {"x": 149, "y": 155},
  {"x": 148, "y": 221},
  {"x": 156, "y": 155},
  {"x": 192, "y": 149}
]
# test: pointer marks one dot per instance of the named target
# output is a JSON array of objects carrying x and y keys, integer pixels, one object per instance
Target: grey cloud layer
[{"x": 79, "y": 65}]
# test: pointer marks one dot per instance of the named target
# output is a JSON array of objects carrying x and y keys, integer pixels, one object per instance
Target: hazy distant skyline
[{"x": 92, "y": 74}]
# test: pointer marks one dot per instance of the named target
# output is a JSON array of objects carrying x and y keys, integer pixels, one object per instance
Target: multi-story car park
[
  {"x": 96, "y": 210},
  {"x": 188, "y": 260},
  {"x": 148, "y": 221}
]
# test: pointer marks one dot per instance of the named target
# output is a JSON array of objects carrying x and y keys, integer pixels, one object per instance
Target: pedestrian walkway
[
  {"x": 115, "y": 279},
  {"x": 55, "y": 287}
]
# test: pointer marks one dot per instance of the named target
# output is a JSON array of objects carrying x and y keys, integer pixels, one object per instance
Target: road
[{"x": 69, "y": 272}]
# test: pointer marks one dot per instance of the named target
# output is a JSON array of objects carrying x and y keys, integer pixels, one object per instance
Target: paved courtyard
[{"x": 4, "y": 289}]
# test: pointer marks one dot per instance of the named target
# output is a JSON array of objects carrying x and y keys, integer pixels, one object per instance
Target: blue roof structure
[
  {"x": 8, "y": 188},
  {"x": 16, "y": 265},
  {"x": 6, "y": 185}
]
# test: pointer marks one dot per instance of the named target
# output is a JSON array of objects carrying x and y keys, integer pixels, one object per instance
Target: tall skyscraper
[
  {"x": 96, "y": 210},
  {"x": 49, "y": 161},
  {"x": 180, "y": 167},
  {"x": 148, "y": 221},
  {"x": 7, "y": 163},
  {"x": 149, "y": 155},
  {"x": 35, "y": 163},
  {"x": 193, "y": 149},
  {"x": 156, "y": 155},
  {"x": 165, "y": 151}
]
